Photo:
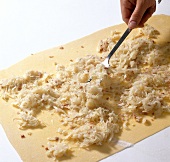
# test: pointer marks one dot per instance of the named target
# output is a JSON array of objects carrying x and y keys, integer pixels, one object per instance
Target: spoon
[{"x": 106, "y": 61}]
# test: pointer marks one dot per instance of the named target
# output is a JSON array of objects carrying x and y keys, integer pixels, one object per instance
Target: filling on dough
[{"x": 92, "y": 112}]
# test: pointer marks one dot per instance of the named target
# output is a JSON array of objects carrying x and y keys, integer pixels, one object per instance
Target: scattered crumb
[
  {"x": 82, "y": 46},
  {"x": 29, "y": 133},
  {"x": 61, "y": 47},
  {"x": 55, "y": 63},
  {"x": 59, "y": 130},
  {"x": 46, "y": 148},
  {"x": 53, "y": 139},
  {"x": 22, "y": 136},
  {"x": 138, "y": 119},
  {"x": 32, "y": 54},
  {"x": 42, "y": 145},
  {"x": 51, "y": 56},
  {"x": 145, "y": 113},
  {"x": 125, "y": 125},
  {"x": 145, "y": 121},
  {"x": 71, "y": 60}
]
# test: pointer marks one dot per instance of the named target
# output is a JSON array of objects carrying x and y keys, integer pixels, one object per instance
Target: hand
[{"x": 136, "y": 12}]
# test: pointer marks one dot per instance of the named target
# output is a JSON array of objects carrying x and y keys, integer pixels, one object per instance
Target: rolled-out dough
[{"x": 31, "y": 147}]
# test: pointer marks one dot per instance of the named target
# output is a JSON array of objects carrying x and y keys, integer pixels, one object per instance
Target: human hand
[{"x": 136, "y": 12}]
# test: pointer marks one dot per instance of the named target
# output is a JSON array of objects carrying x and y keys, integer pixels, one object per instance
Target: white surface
[
  {"x": 7, "y": 152},
  {"x": 153, "y": 149},
  {"x": 31, "y": 26}
]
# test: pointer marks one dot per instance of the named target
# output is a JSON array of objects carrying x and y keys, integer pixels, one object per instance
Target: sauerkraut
[
  {"x": 94, "y": 102},
  {"x": 57, "y": 150}
]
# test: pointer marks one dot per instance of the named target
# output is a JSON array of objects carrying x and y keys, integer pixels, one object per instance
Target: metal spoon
[{"x": 106, "y": 61}]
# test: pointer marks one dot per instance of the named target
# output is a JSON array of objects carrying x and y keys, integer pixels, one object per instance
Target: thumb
[{"x": 137, "y": 15}]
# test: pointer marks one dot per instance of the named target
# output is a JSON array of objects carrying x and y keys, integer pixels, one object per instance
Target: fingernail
[{"x": 132, "y": 24}]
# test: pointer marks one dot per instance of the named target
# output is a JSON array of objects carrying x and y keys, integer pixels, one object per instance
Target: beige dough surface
[{"x": 30, "y": 148}]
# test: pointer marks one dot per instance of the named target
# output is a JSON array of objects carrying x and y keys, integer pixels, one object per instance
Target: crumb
[
  {"x": 82, "y": 46},
  {"x": 55, "y": 63},
  {"x": 144, "y": 121},
  {"x": 29, "y": 133},
  {"x": 32, "y": 54},
  {"x": 145, "y": 113},
  {"x": 53, "y": 139},
  {"x": 42, "y": 145},
  {"x": 71, "y": 60},
  {"x": 46, "y": 148},
  {"x": 61, "y": 47},
  {"x": 51, "y": 56},
  {"x": 22, "y": 136},
  {"x": 56, "y": 138},
  {"x": 125, "y": 125}
]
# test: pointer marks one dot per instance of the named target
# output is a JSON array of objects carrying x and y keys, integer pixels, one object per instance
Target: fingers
[
  {"x": 126, "y": 15},
  {"x": 147, "y": 15},
  {"x": 137, "y": 14},
  {"x": 127, "y": 9}
]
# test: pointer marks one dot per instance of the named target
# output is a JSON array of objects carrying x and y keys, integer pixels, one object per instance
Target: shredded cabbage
[{"x": 137, "y": 83}]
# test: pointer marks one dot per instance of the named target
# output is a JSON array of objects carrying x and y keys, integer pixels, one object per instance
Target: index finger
[{"x": 127, "y": 9}]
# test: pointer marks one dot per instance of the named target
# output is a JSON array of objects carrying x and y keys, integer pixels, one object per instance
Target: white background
[{"x": 30, "y": 26}]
